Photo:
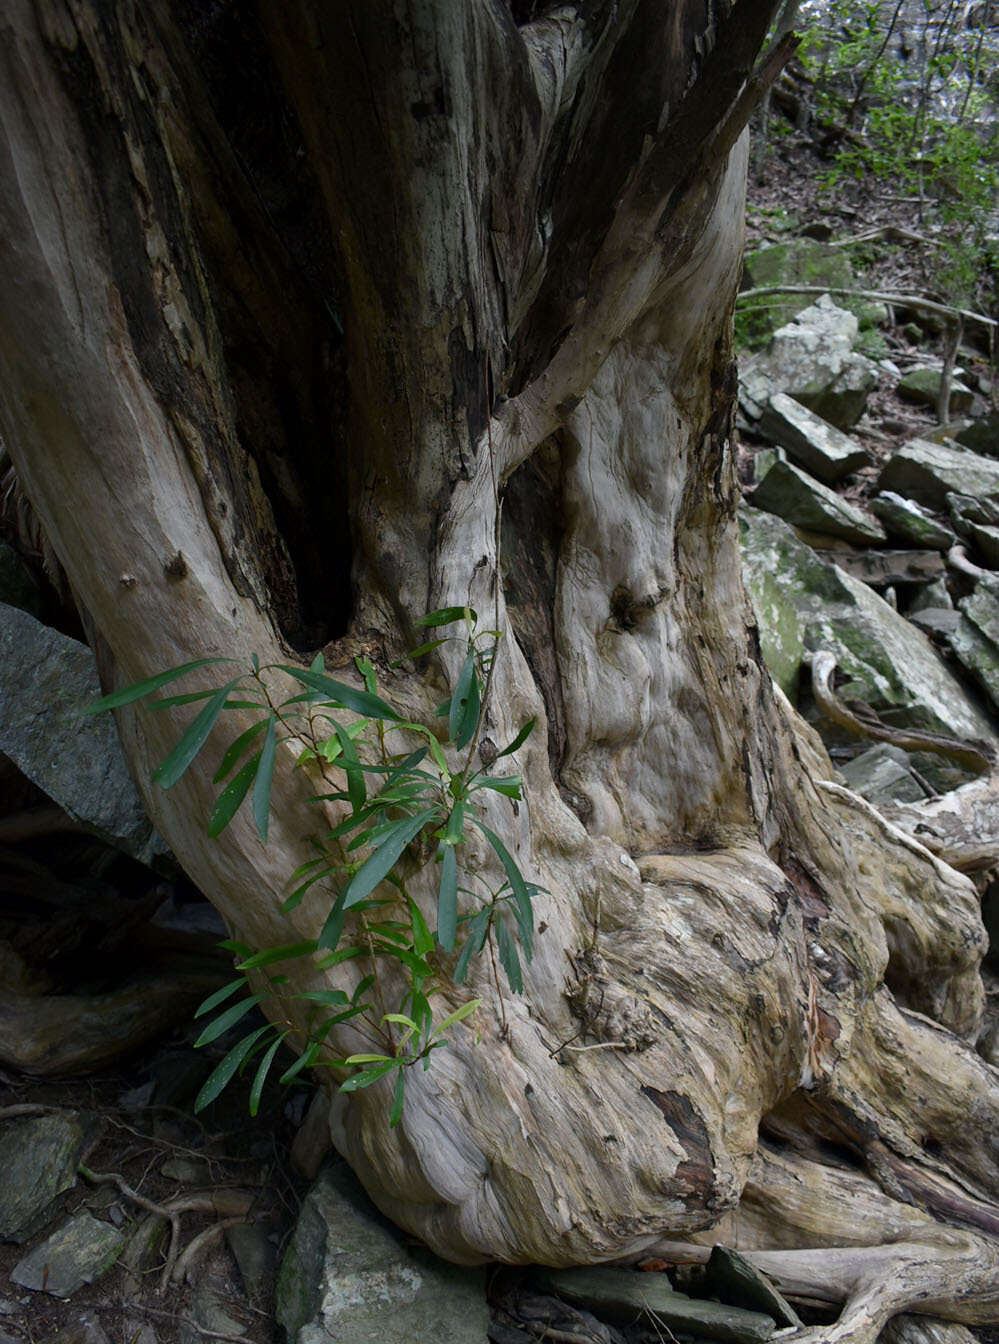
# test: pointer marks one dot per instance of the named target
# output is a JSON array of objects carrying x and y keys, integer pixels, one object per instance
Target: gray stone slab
[
  {"x": 965, "y": 509},
  {"x": 349, "y": 1275},
  {"x": 928, "y": 472},
  {"x": 732, "y": 1279},
  {"x": 823, "y": 450},
  {"x": 885, "y": 569},
  {"x": 798, "y": 499},
  {"x": 626, "y": 1295},
  {"x": 982, "y": 607},
  {"x": 982, "y": 435},
  {"x": 935, "y": 620},
  {"x": 803, "y": 603},
  {"x": 908, "y": 520},
  {"x": 979, "y": 655},
  {"x": 81, "y": 1251},
  {"x": 39, "y": 1157},
  {"x": 985, "y": 540},
  {"x": 923, "y": 387},
  {"x": 882, "y": 775}
]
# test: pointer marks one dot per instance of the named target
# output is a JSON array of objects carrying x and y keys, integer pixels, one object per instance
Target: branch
[
  {"x": 874, "y": 296},
  {"x": 823, "y": 667},
  {"x": 667, "y": 191}
]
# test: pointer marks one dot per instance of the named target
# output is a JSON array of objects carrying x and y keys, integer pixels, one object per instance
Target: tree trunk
[{"x": 290, "y": 307}]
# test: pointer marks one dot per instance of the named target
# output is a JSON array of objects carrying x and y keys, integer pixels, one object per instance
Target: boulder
[
  {"x": 48, "y": 679},
  {"x": 982, "y": 607},
  {"x": 986, "y": 542},
  {"x": 928, "y": 472},
  {"x": 801, "y": 261},
  {"x": 887, "y": 569},
  {"x": 795, "y": 497},
  {"x": 938, "y": 621},
  {"x": 812, "y": 360},
  {"x": 823, "y": 450},
  {"x": 39, "y": 1155},
  {"x": 923, "y": 387},
  {"x": 906, "y": 519},
  {"x": 348, "y": 1274},
  {"x": 81, "y": 1251},
  {"x": 803, "y": 603},
  {"x": 982, "y": 435},
  {"x": 979, "y": 655},
  {"x": 966, "y": 509},
  {"x": 935, "y": 594},
  {"x": 882, "y": 775}
]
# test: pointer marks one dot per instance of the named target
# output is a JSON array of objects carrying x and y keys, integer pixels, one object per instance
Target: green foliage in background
[{"x": 405, "y": 804}]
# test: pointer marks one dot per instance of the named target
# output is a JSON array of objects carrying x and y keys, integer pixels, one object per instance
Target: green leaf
[
  {"x": 459, "y": 1015},
  {"x": 224, "y": 1072},
  {"x": 262, "y": 784},
  {"x": 423, "y": 941},
  {"x": 305, "y": 1060},
  {"x": 385, "y": 857},
  {"x": 508, "y": 784},
  {"x": 330, "y": 997},
  {"x": 228, "y": 1019},
  {"x": 318, "y": 663},
  {"x": 517, "y": 885},
  {"x": 236, "y": 750},
  {"x": 478, "y": 929},
  {"x": 420, "y": 650},
  {"x": 140, "y": 688},
  {"x": 362, "y": 988},
  {"x": 447, "y": 900},
  {"x": 368, "y": 1076},
  {"x": 356, "y": 790},
  {"x": 289, "y": 952},
  {"x": 262, "y": 1072},
  {"x": 455, "y": 830},
  {"x": 457, "y": 712},
  {"x": 360, "y": 702},
  {"x": 446, "y": 615},
  {"x": 519, "y": 740},
  {"x": 398, "y": 1099},
  {"x": 228, "y": 801},
  {"x": 366, "y": 1059},
  {"x": 235, "y": 946},
  {"x": 366, "y": 668},
  {"x": 170, "y": 770},
  {"x": 220, "y": 996},
  {"x": 508, "y": 957}
]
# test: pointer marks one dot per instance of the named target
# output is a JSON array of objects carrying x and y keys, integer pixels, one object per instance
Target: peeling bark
[{"x": 241, "y": 435}]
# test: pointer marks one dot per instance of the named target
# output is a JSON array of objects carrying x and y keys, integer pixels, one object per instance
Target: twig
[
  {"x": 874, "y": 296},
  {"x": 197, "y": 1244},
  {"x": 160, "y": 1210},
  {"x": 187, "y": 1320}
]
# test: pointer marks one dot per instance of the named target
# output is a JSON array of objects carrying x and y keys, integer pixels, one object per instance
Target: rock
[
  {"x": 935, "y": 594},
  {"x": 795, "y": 497},
  {"x": 982, "y": 435},
  {"x": 48, "y": 679},
  {"x": 802, "y": 261},
  {"x": 256, "y": 1256},
  {"x": 986, "y": 542},
  {"x": 39, "y": 1156},
  {"x": 802, "y": 602},
  {"x": 978, "y": 654},
  {"x": 625, "y": 1295},
  {"x": 885, "y": 569},
  {"x": 17, "y": 588},
  {"x": 86, "y": 1329},
  {"x": 812, "y": 360},
  {"x": 732, "y": 1279},
  {"x": 186, "y": 1171},
  {"x": 822, "y": 449},
  {"x": 966, "y": 509},
  {"x": 982, "y": 607},
  {"x": 904, "y": 518},
  {"x": 940, "y": 621},
  {"x": 923, "y": 386},
  {"x": 348, "y": 1274},
  {"x": 80, "y": 1251},
  {"x": 882, "y": 775},
  {"x": 928, "y": 472},
  {"x": 210, "y": 1310}
]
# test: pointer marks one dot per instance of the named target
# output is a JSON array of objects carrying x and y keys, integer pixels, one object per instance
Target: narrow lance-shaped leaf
[
  {"x": 462, "y": 691},
  {"x": 265, "y": 776},
  {"x": 361, "y": 702},
  {"x": 170, "y": 770},
  {"x": 385, "y": 857},
  {"x": 140, "y": 688},
  {"x": 517, "y": 885},
  {"x": 261, "y": 1074},
  {"x": 519, "y": 740},
  {"x": 398, "y": 1099},
  {"x": 224, "y": 1072},
  {"x": 228, "y": 802},
  {"x": 478, "y": 928},
  {"x": 447, "y": 900},
  {"x": 228, "y": 1019},
  {"x": 220, "y": 996},
  {"x": 356, "y": 790},
  {"x": 446, "y": 615},
  {"x": 236, "y": 749},
  {"x": 270, "y": 955},
  {"x": 508, "y": 957},
  {"x": 457, "y": 1016}
]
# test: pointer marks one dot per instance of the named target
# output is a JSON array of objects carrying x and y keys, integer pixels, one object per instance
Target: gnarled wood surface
[{"x": 287, "y": 309}]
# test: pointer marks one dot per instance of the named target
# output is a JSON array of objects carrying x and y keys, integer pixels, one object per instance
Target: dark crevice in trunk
[{"x": 532, "y": 510}]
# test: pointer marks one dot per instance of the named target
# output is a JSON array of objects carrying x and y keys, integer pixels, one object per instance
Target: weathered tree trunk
[{"x": 290, "y": 306}]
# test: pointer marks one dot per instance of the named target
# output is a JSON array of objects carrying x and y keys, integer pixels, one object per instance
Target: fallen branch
[
  {"x": 873, "y": 296},
  {"x": 909, "y": 739},
  {"x": 197, "y": 1244},
  {"x": 160, "y": 1211}
]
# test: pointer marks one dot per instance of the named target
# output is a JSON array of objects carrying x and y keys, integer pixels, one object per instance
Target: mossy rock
[{"x": 801, "y": 261}]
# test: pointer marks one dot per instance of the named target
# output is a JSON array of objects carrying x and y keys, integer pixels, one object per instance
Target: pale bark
[{"x": 534, "y": 236}]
